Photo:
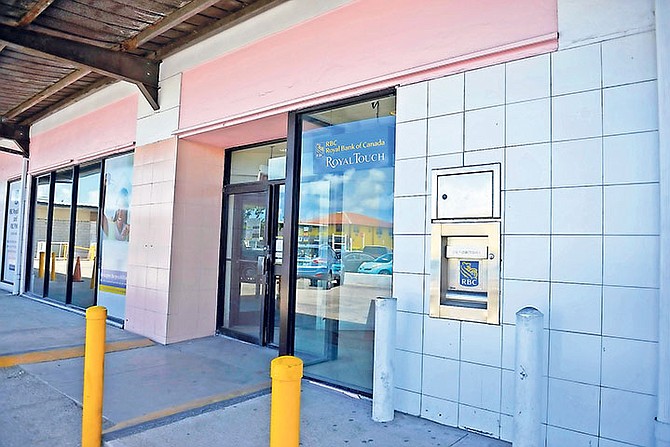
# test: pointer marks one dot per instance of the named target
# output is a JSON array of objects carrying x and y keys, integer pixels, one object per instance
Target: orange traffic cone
[{"x": 76, "y": 276}]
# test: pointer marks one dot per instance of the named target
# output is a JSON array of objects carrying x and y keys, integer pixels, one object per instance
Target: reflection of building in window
[{"x": 357, "y": 230}]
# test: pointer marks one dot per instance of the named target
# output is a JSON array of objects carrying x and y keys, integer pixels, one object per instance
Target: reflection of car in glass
[
  {"x": 376, "y": 250},
  {"x": 351, "y": 260},
  {"x": 248, "y": 263},
  {"x": 317, "y": 263},
  {"x": 383, "y": 265}
]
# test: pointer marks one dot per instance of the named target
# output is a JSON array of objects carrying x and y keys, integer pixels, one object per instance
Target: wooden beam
[
  {"x": 19, "y": 134},
  {"x": 35, "y": 11},
  {"x": 168, "y": 22},
  {"x": 67, "y": 80},
  {"x": 123, "y": 66},
  {"x": 220, "y": 25}
]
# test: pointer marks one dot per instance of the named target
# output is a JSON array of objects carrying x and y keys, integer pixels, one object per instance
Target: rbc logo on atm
[{"x": 469, "y": 273}]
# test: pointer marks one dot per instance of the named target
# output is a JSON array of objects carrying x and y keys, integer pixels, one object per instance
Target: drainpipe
[
  {"x": 663, "y": 67},
  {"x": 20, "y": 262}
]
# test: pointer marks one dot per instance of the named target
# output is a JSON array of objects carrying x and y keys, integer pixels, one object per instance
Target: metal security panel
[{"x": 471, "y": 192}]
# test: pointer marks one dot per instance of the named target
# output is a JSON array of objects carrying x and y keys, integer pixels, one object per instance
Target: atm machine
[{"x": 465, "y": 243}]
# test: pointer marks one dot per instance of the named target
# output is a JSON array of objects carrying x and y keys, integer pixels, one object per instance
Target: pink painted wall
[
  {"x": 363, "y": 46},
  {"x": 10, "y": 166},
  {"x": 109, "y": 127}
]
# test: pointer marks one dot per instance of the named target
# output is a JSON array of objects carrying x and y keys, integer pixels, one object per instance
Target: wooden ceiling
[{"x": 54, "y": 52}]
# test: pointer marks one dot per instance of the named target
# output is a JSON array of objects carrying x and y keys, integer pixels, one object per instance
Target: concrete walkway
[{"x": 211, "y": 391}]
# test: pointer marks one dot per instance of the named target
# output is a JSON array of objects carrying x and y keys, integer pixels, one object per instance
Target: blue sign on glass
[
  {"x": 469, "y": 276},
  {"x": 364, "y": 144}
]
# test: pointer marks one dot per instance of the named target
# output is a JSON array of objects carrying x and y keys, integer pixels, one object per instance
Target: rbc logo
[
  {"x": 469, "y": 273},
  {"x": 319, "y": 150}
]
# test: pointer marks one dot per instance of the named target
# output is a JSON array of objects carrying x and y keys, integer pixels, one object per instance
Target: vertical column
[{"x": 383, "y": 375}]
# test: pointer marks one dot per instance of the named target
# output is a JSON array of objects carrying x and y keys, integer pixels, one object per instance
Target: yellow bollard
[
  {"x": 41, "y": 268},
  {"x": 94, "y": 366},
  {"x": 286, "y": 373},
  {"x": 53, "y": 266}
]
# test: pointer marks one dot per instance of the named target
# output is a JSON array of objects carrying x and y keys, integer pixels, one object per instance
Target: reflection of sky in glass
[
  {"x": 63, "y": 193},
  {"x": 88, "y": 193}
]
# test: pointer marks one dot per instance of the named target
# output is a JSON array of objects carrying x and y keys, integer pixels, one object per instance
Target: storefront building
[{"x": 293, "y": 173}]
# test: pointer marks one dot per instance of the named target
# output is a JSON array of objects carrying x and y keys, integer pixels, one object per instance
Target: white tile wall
[
  {"x": 577, "y": 115},
  {"x": 630, "y": 108},
  {"x": 410, "y": 139},
  {"x": 507, "y": 392},
  {"x": 630, "y": 313},
  {"x": 482, "y": 421},
  {"x": 486, "y": 156},
  {"x": 485, "y": 128},
  {"x": 628, "y": 417},
  {"x": 528, "y": 166},
  {"x": 577, "y": 162},
  {"x": 412, "y": 102},
  {"x": 442, "y": 337},
  {"x": 631, "y": 158},
  {"x": 576, "y": 308},
  {"x": 407, "y": 368},
  {"x": 441, "y": 378},
  {"x": 439, "y": 410},
  {"x": 408, "y": 289},
  {"x": 407, "y": 401},
  {"x": 575, "y": 357},
  {"x": 485, "y": 87},
  {"x": 409, "y": 215},
  {"x": 575, "y": 406},
  {"x": 526, "y": 257},
  {"x": 446, "y": 95},
  {"x": 519, "y": 294},
  {"x": 528, "y": 211},
  {"x": 577, "y": 259},
  {"x": 576, "y": 70},
  {"x": 631, "y": 261},
  {"x": 410, "y": 177},
  {"x": 577, "y": 210},
  {"x": 528, "y": 79},
  {"x": 446, "y": 134},
  {"x": 629, "y": 59},
  {"x": 409, "y": 254},
  {"x": 630, "y": 365},
  {"x": 481, "y": 343},
  {"x": 632, "y": 209},
  {"x": 409, "y": 336},
  {"x": 480, "y": 386},
  {"x": 528, "y": 122},
  {"x": 559, "y": 437}
]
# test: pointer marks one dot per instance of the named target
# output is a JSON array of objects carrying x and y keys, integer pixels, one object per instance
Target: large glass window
[
  {"x": 60, "y": 235},
  {"x": 41, "y": 201},
  {"x": 10, "y": 247},
  {"x": 345, "y": 238}
]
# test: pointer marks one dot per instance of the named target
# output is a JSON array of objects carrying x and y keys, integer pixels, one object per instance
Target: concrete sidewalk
[{"x": 211, "y": 391}]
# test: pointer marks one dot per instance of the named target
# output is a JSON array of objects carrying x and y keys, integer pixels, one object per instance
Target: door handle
[{"x": 260, "y": 265}]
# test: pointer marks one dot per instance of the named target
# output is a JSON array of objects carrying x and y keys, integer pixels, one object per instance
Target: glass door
[{"x": 247, "y": 258}]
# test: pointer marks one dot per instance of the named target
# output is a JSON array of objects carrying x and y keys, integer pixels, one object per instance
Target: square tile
[
  {"x": 520, "y": 294},
  {"x": 630, "y": 313},
  {"x": 632, "y": 209},
  {"x": 575, "y": 357},
  {"x": 629, "y": 59},
  {"x": 480, "y": 386},
  {"x": 509, "y": 347},
  {"x": 407, "y": 367},
  {"x": 487, "y": 156},
  {"x": 412, "y": 102},
  {"x": 577, "y": 162},
  {"x": 440, "y": 378},
  {"x": 442, "y": 337},
  {"x": 481, "y": 343},
  {"x": 526, "y": 257},
  {"x": 409, "y": 215},
  {"x": 445, "y": 134},
  {"x": 508, "y": 390},
  {"x": 409, "y": 331},
  {"x": 478, "y": 420},
  {"x": 628, "y": 417},
  {"x": 574, "y": 406},
  {"x": 578, "y": 115},
  {"x": 630, "y": 365},
  {"x": 527, "y": 211},
  {"x": 407, "y": 401},
  {"x": 441, "y": 161},
  {"x": 528, "y": 78},
  {"x": 528, "y": 166},
  {"x": 631, "y": 158},
  {"x": 577, "y": 259},
  {"x": 630, "y": 108},
  {"x": 410, "y": 139},
  {"x": 408, "y": 289},
  {"x": 439, "y": 410},
  {"x": 485, "y": 128},
  {"x": 631, "y": 261},
  {"x": 506, "y": 428},
  {"x": 446, "y": 95},
  {"x": 409, "y": 254},
  {"x": 577, "y": 210},
  {"x": 559, "y": 437},
  {"x": 576, "y": 70},
  {"x": 485, "y": 87},
  {"x": 576, "y": 308},
  {"x": 528, "y": 122},
  {"x": 410, "y": 177}
]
